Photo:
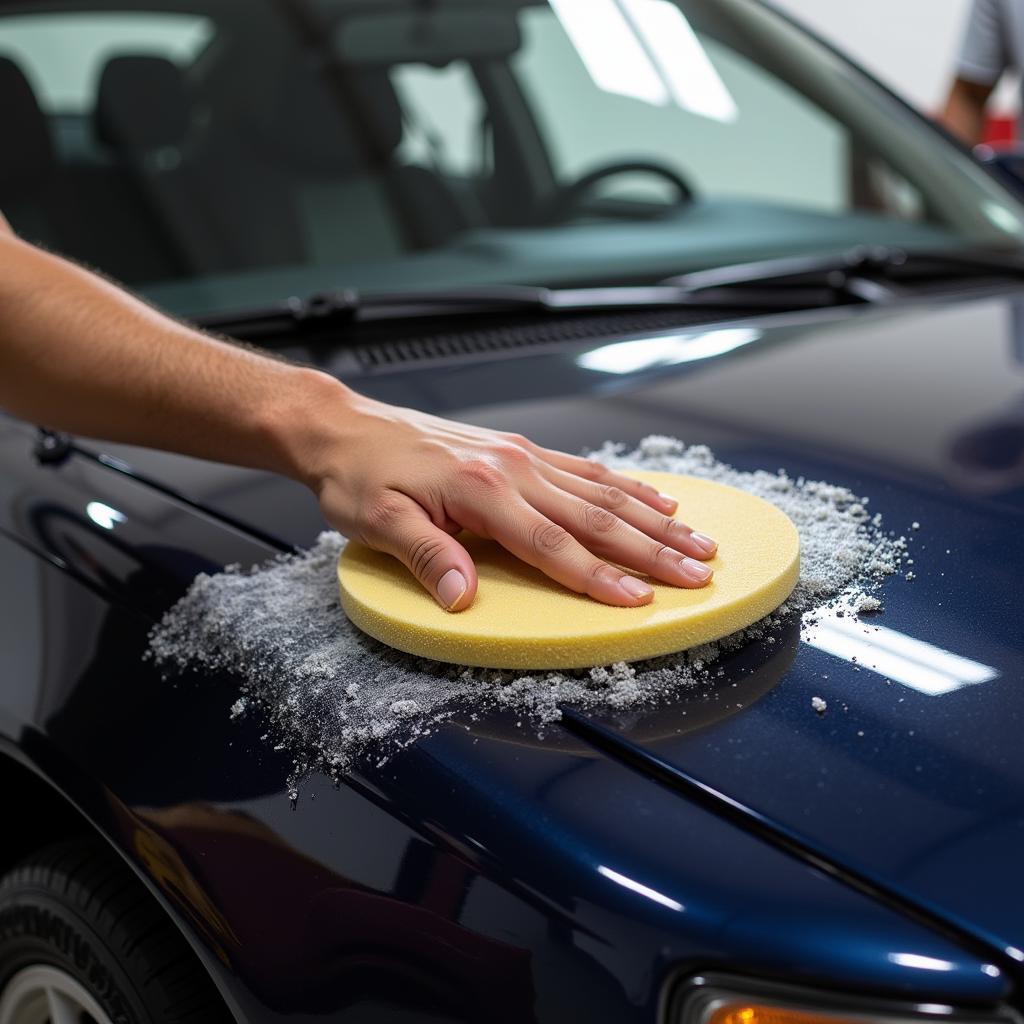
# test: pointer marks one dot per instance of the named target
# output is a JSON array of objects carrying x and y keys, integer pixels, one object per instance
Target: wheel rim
[{"x": 42, "y": 994}]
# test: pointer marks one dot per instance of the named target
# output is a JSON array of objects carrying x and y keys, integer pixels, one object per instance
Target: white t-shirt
[{"x": 994, "y": 41}]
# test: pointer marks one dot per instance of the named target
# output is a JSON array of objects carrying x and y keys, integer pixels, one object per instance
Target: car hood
[{"x": 913, "y": 777}]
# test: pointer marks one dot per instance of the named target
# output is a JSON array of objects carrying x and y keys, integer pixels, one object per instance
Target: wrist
[{"x": 306, "y": 422}]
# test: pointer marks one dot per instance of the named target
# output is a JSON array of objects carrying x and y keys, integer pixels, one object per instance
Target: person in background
[{"x": 992, "y": 45}]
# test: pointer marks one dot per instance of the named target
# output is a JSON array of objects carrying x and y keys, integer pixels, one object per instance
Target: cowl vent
[{"x": 483, "y": 342}]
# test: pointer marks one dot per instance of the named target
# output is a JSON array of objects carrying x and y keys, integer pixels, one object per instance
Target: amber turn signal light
[{"x": 754, "y": 1013}]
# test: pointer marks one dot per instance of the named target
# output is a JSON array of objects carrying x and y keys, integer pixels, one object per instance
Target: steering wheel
[{"x": 565, "y": 202}]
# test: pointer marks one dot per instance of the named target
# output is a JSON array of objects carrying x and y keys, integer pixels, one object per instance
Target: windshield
[{"x": 218, "y": 155}]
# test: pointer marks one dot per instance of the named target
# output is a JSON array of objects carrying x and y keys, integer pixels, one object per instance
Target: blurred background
[{"x": 917, "y": 66}]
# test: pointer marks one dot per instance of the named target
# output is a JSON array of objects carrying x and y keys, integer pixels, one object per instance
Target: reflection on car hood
[{"x": 914, "y": 774}]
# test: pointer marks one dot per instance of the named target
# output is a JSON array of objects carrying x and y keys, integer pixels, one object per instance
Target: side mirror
[{"x": 1006, "y": 162}]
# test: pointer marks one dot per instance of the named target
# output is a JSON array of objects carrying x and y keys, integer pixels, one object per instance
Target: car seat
[
  {"x": 27, "y": 167},
  {"x": 288, "y": 178},
  {"x": 338, "y": 131},
  {"x": 144, "y": 117},
  {"x": 82, "y": 210}
]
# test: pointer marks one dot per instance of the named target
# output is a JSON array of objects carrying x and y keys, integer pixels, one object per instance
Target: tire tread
[{"x": 94, "y": 887}]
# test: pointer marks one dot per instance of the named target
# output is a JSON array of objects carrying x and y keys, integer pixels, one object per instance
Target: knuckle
[
  {"x": 613, "y": 497},
  {"x": 595, "y": 470},
  {"x": 550, "y": 538},
  {"x": 517, "y": 439},
  {"x": 380, "y": 514},
  {"x": 483, "y": 474},
  {"x": 514, "y": 455},
  {"x": 599, "y": 520},
  {"x": 424, "y": 553},
  {"x": 672, "y": 527},
  {"x": 601, "y": 571}
]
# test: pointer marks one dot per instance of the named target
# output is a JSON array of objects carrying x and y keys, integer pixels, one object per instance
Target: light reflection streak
[
  {"x": 647, "y": 353},
  {"x": 609, "y": 48},
  {"x": 647, "y": 50},
  {"x": 684, "y": 64},
  {"x": 921, "y": 666},
  {"x": 924, "y": 963},
  {"x": 103, "y": 515},
  {"x": 643, "y": 890}
]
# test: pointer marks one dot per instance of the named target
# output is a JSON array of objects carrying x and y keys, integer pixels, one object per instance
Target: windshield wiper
[
  {"x": 348, "y": 306},
  {"x": 862, "y": 275},
  {"x": 873, "y": 274}
]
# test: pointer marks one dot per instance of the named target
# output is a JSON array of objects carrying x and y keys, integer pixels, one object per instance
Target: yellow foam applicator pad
[{"x": 522, "y": 620}]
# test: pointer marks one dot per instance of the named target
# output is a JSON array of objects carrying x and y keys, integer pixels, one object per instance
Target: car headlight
[{"x": 714, "y": 1000}]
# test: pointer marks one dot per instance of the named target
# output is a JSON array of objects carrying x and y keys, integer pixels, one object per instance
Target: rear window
[{"x": 63, "y": 54}]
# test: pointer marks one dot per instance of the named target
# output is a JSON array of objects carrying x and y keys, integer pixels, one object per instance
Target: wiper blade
[
  {"x": 868, "y": 274},
  {"x": 348, "y": 306},
  {"x": 862, "y": 275}
]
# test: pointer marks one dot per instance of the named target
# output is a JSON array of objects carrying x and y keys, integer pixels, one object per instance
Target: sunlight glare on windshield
[
  {"x": 614, "y": 56},
  {"x": 683, "y": 62},
  {"x": 647, "y": 50}
]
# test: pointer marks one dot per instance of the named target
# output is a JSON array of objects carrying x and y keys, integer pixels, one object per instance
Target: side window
[
  {"x": 766, "y": 143},
  {"x": 444, "y": 118},
  {"x": 62, "y": 55}
]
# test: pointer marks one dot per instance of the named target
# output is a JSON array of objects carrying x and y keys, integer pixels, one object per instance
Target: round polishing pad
[{"x": 522, "y": 620}]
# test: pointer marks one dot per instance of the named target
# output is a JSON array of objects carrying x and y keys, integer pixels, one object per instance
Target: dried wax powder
[{"x": 332, "y": 694}]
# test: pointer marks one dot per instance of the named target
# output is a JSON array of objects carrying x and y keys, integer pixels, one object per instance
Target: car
[{"x": 560, "y": 219}]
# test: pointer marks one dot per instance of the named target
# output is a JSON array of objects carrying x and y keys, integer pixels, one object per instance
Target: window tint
[
  {"x": 770, "y": 143},
  {"x": 62, "y": 54}
]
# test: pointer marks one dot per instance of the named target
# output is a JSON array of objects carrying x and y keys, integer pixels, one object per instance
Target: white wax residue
[{"x": 331, "y": 694}]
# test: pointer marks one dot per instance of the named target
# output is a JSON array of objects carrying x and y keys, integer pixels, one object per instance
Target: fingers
[
  {"x": 399, "y": 526},
  {"x": 660, "y": 527},
  {"x": 587, "y": 469},
  {"x": 571, "y": 518},
  {"x": 605, "y": 534},
  {"x": 549, "y": 547}
]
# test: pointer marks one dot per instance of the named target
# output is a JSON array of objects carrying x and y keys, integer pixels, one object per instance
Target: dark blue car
[{"x": 406, "y": 193}]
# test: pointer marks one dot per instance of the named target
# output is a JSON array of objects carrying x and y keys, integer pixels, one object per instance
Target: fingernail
[
  {"x": 696, "y": 571},
  {"x": 451, "y": 587},
  {"x": 668, "y": 499},
  {"x": 704, "y": 542},
  {"x": 634, "y": 587}
]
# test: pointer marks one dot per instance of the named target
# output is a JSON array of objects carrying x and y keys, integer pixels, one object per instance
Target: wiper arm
[
  {"x": 864, "y": 275},
  {"x": 348, "y": 306},
  {"x": 869, "y": 274}
]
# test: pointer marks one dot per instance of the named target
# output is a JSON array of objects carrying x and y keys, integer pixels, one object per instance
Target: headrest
[
  {"x": 142, "y": 104},
  {"x": 327, "y": 125},
  {"x": 28, "y": 151},
  {"x": 427, "y": 36}
]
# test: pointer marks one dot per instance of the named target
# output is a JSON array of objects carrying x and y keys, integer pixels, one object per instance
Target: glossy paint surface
[{"x": 483, "y": 875}]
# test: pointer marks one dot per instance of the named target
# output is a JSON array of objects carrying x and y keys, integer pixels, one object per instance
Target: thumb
[{"x": 434, "y": 557}]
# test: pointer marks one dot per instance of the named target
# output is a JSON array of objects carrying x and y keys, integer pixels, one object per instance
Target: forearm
[
  {"x": 964, "y": 112},
  {"x": 78, "y": 354}
]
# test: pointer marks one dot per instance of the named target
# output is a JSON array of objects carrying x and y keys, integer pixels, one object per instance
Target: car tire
[{"x": 82, "y": 940}]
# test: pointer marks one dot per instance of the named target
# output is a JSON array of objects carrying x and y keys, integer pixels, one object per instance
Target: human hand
[{"x": 406, "y": 483}]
